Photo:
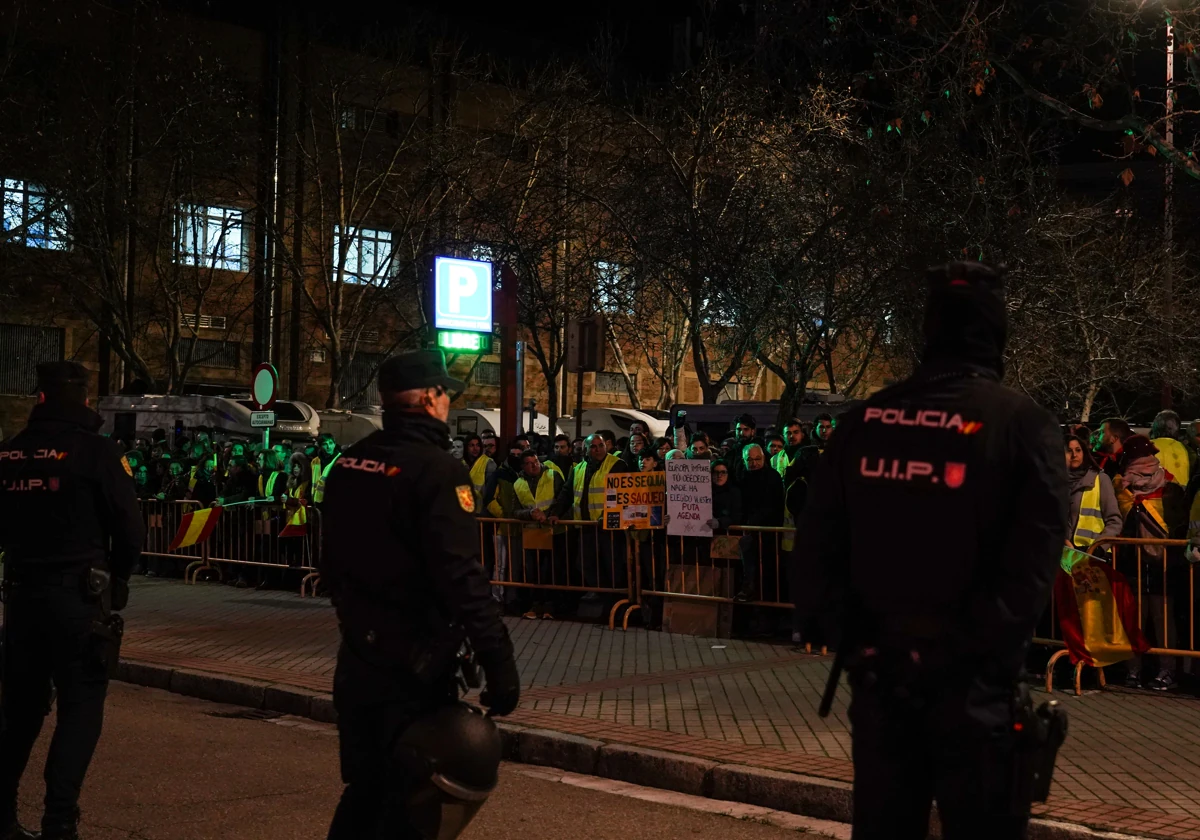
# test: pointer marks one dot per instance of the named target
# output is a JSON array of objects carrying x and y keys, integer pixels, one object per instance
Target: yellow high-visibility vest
[
  {"x": 269, "y": 489},
  {"x": 542, "y": 499},
  {"x": 479, "y": 473},
  {"x": 318, "y": 477},
  {"x": 1173, "y": 456},
  {"x": 1090, "y": 525},
  {"x": 781, "y": 462},
  {"x": 595, "y": 491}
]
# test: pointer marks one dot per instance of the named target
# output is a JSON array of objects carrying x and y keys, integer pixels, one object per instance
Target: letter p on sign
[
  {"x": 463, "y": 284},
  {"x": 462, "y": 295}
]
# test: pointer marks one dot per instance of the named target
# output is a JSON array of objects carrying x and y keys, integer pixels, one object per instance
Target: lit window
[
  {"x": 613, "y": 291},
  {"x": 482, "y": 253},
  {"x": 368, "y": 255},
  {"x": 32, "y": 218},
  {"x": 213, "y": 237}
]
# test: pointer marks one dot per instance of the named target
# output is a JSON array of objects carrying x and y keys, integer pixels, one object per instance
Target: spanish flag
[
  {"x": 297, "y": 525},
  {"x": 1097, "y": 611},
  {"x": 195, "y": 527}
]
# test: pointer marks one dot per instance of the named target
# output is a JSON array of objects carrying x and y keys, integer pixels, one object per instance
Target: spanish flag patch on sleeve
[{"x": 466, "y": 498}]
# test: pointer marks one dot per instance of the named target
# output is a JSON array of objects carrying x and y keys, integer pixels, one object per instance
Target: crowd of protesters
[
  {"x": 197, "y": 466},
  {"x": 757, "y": 480},
  {"x": 1122, "y": 484},
  {"x": 1125, "y": 484}
]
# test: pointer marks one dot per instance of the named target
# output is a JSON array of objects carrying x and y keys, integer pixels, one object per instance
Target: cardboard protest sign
[
  {"x": 634, "y": 500},
  {"x": 689, "y": 498}
]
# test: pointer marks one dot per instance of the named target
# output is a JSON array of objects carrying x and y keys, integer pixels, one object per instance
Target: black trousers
[
  {"x": 374, "y": 708},
  {"x": 49, "y": 640},
  {"x": 939, "y": 737}
]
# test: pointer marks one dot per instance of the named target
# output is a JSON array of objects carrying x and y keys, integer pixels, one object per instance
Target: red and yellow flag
[
  {"x": 195, "y": 527},
  {"x": 1097, "y": 611},
  {"x": 297, "y": 525}
]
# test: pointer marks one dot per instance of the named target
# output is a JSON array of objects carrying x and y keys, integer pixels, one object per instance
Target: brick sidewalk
[{"x": 1127, "y": 765}]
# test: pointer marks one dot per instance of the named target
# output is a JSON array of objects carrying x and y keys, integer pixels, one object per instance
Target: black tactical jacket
[
  {"x": 66, "y": 496},
  {"x": 401, "y": 547},
  {"x": 938, "y": 512}
]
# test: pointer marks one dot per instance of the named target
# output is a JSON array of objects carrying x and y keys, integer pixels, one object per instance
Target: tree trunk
[
  {"x": 1089, "y": 402},
  {"x": 334, "y": 397}
]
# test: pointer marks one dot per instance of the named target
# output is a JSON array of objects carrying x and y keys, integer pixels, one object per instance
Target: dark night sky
[{"x": 536, "y": 30}]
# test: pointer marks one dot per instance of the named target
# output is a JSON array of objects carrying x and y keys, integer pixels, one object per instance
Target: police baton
[{"x": 831, "y": 685}]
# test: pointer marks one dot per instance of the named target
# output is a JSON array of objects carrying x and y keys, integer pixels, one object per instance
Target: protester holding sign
[
  {"x": 634, "y": 500},
  {"x": 689, "y": 498}
]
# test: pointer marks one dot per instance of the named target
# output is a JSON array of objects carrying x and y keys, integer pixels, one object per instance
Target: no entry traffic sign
[{"x": 263, "y": 386}]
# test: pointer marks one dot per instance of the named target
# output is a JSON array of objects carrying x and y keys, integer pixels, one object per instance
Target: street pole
[
  {"x": 1168, "y": 189},
  {"x": 506, "y": 308}
]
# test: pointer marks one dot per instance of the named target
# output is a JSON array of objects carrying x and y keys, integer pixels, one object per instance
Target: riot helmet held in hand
[{"x": 457, "y": 750}]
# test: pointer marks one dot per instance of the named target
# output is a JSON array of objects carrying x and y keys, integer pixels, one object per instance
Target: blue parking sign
[{"x": 462, "y": 297}]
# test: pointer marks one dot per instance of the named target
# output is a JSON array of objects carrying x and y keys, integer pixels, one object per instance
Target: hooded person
[
  {"x": 1139, "y": 485},
  {"x": 1095, "y": 514},
  {"x": 1151, "y": 502},
  {"x": 966, "y": 482}
]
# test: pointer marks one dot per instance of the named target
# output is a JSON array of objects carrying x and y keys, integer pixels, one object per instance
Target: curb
[{"x": 809, "y": 796}]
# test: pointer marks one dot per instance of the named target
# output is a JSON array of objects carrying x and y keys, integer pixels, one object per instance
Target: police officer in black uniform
[
  {"x": 936, "y": 523},
  {"x": 71, "y": 532},
  {"x": 401, "y": 550}
]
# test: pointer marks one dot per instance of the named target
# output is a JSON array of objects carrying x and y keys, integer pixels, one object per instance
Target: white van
[
  {"x": 137, "y": 416},
  {"x": 615, "y": 420},
  {"x": 349, "y": 427},
  {"x": 474, "y": 421}
]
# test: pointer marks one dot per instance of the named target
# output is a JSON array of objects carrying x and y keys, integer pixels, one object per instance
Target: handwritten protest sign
[
  {"x": 634, "y": 500},
  {"x": 689, "y": 498}
]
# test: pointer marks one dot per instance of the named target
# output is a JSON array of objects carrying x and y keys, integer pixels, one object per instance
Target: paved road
[
  {"x": 1131, "y": 761},
  {"x": 173, "y": 768}
]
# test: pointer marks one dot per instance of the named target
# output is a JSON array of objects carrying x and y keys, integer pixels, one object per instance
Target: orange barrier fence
[
  {"x": 572, "y": 556},
  {"x": 245, "y": 535},
  {"x": 583, "y": 557},
  {"x": 1164, "y": 586},
  {"x": 750, "y": 559}
]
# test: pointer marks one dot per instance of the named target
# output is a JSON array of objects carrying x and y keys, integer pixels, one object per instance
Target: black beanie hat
[{"x": 965, "y": 318}]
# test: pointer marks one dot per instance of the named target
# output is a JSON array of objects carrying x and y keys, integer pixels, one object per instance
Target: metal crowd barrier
[
  {"x": 1156, "y": 571},
  {"x": 745, "y": 549},
  {"x": 245, "y": 535},
  {"x": 582, "y": 557}
]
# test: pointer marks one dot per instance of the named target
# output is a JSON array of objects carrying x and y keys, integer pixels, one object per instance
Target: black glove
[{"x": 502, "y": 691}]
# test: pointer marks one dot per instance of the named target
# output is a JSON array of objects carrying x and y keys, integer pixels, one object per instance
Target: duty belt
[{"x": 52, "y": 577}]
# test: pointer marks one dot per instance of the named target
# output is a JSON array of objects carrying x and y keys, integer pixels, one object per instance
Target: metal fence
[
  {"x": 1162, "y": 581},
  {"x": 245, "y": 535},
  {"x": 573, "y": 556}
]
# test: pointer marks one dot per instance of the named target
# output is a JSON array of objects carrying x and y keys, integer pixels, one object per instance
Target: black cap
[
  {"x": 51, "y": 374},
  {"x": 419, "y": 369}
]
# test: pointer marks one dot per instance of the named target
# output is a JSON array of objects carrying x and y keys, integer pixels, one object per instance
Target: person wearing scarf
[
  {"x": 1145, "y": 492},
  {"x": 1085, "y": 478}
]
